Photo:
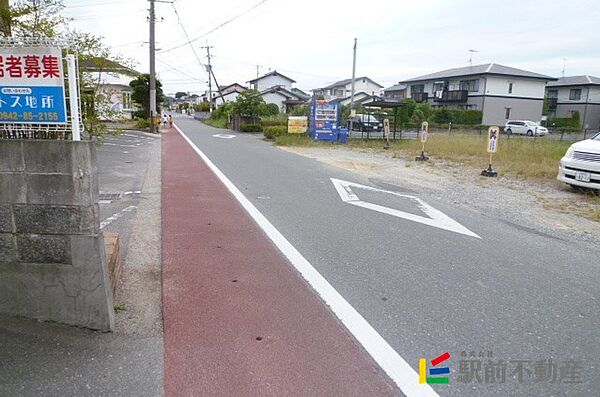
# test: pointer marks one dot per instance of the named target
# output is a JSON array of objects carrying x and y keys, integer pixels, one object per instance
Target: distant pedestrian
[
  {"x": 170, "y": 121},
  {"x": 165, "y": 120}
]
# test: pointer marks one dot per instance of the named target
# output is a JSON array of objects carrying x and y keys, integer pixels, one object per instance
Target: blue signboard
[
  {"x": 32, "y": 86},
  {"x": 32, "y": 105}
]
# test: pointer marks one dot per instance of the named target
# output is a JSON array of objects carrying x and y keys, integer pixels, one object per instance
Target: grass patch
[
  {"x": 120, "y": 308},
  {"x": 520, "y": 157},
  {"x": 217, "y": 123}
]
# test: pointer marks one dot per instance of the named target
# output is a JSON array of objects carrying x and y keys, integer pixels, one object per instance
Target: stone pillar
[{"x": 52, "y": 259}]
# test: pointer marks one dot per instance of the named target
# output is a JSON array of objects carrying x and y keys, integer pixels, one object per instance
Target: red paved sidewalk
[{"x": 238, "y": 319}]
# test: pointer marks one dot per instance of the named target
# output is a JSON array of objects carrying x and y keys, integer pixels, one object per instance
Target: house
[
  {"x": 395, "y": 93},
  {"x": 359, "y": 98},
  {"x": 283, "y": 98},
  {"x": 499, "y": 92},
  {"x": 230, "y": 93},
  {"x": 575, "y": 93},
  {"x": 109, "y": 82},
  {"x": 271, "y": 79},
  {"x": 276, "y": 88},
  {"x": 343, "y": 88}
]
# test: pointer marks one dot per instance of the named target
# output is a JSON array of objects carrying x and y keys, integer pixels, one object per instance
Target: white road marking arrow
[
  {"x": 224, "y": 136},
  {"x": 435, "y": 218}
]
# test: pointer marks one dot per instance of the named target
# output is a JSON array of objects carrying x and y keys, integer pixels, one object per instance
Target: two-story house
[
  {"x": 343, "y": 88},
  {"x": 276, "y": 88},
  {"x": 230, "y": 93},
  {"x": 396, "y": 92},
  {"x": 499, "y": 92},
  {"x": 575, "y": 93}
]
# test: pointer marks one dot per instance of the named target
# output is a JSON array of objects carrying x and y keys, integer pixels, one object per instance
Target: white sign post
[
  {"x": 73, "y": 96},
  {"x": 386, "y": 133},
  {"x": 424, "y": 134},
  {"x": 492, "y": 147}
]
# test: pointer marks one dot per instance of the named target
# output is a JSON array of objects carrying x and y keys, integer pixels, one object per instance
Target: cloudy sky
[{"x": 311, "y": 40}]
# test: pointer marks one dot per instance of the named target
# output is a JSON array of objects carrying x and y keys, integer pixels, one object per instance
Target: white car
[
  {"x": 524, "y": 127},
  {"x": 581, "y": 164}
]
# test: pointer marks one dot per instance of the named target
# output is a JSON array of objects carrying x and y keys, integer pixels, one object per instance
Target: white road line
[
  {"x": 116, "y": 216},
  {"x": 435, "y": 217},
  {"x": 395, "y": 366}
]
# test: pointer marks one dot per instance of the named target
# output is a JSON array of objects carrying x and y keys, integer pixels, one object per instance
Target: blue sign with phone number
[{"x": 35, "y": 104}]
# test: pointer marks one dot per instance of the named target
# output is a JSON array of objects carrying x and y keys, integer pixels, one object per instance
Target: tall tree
[
  {"x": 36, "y": 18},
  {"x": 5, "y": 19},
  {"x": 141, "y": 92}
]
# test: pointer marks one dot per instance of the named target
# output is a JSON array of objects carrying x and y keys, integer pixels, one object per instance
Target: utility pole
[
  {"x": 209, "y": 67},
  {"x": 353, "y": 81},
  {"x": 152, "y": 69},
  {"x": 257, "y": 71}
]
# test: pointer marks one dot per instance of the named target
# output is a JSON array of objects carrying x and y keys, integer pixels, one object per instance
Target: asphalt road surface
[{"x": 517, "y": 310}]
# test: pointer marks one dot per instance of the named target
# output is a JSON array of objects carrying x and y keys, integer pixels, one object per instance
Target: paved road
[{"x": 515, "y": 293}]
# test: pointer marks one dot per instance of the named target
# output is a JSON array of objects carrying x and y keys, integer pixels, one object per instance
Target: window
[
  {"x": 339, "y": 93},
  {"x": 438, "y": 86},
  {"x": 575, "y": 94},
  {"x": 417, "y": 89},
  {"x": 507, "y": 114},
  {"x": 510, "y": 88},
  {"x": 552, "y": 93},
  {"x": 470, "y": 85}
]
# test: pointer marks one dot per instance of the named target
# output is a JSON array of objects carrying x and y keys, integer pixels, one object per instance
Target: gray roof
[
  {"x": 397, "y": 87},
  {"x": 488, "y": 68},
  {"x": 346, "y": 81},
  {"x": 575, "y": 80}
]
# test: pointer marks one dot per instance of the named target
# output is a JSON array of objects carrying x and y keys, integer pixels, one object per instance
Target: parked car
[
  {"x": 581, "y": 164},
  {"x": 524, "y": 127},
  {"x": 365, "y": 122}
]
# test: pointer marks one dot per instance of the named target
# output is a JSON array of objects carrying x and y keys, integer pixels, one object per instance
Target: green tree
[
  {"x": 180, "y": 94},
  {"x": 34, "y": 18},
  {"x": 141, "y": 92},
  {"x": 248, "y": 103}
]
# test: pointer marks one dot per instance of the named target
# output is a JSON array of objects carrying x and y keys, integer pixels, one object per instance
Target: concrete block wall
[{"x": 52, "y": 258}]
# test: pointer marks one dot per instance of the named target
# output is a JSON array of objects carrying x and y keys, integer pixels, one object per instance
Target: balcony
[
  {"x": 552, "y": 103},
  {"x": 419, "y": 96},
  {"x": 453, "y": 96}
]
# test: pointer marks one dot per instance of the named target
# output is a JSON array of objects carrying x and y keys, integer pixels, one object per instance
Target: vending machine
[{"x": 325, "y": 122}]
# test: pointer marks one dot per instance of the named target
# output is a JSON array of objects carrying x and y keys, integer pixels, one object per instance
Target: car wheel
[
  {"x": 529, "y": 133},
  {"x": 509, "y": 132}
]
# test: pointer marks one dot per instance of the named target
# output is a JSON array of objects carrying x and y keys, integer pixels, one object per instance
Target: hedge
[
  {"x": 275, "y": 131},
  {"x": 250, "y": 128},
  {"x": 273, "y": 123}
]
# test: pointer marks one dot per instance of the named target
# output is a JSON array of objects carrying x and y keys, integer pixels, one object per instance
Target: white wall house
[
  {"x": 272, "y": 79},
  {"x": 276, "y": 88},
  {"x": 343, "y": 88},
  {"x": 575, "y": 94},
  {"x": 499, "y": 92}
]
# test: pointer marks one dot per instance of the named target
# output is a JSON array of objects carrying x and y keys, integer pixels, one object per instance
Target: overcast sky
[{"x": 311, "y": 40}]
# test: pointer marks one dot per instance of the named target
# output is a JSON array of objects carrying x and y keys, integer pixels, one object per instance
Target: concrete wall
[
  {"x": 528, "y": 88},
  {"x": 52, "y": 259}
]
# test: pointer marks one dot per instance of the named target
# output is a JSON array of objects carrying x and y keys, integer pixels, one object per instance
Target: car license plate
[{"x": 582, "y": 176}]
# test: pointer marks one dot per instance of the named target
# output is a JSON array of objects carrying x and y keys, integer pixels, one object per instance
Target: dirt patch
[{"x": 547, "y": 207}]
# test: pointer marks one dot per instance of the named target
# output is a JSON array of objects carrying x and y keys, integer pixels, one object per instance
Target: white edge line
[{"x": 394, "y": 366}]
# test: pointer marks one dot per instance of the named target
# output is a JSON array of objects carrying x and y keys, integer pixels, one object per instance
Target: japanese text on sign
[{"x": 32, "y": 85}]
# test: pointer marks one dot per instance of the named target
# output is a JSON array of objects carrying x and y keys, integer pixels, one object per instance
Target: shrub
[
  {"x": 272, "y": 121},
  {"x": 142, "y": 123},
  {"x": 202, "y": 107},
  {"x": 566, "y": 122},
  {"x": 140, "y": 114},
  {"x": 250, "y": 128},
  {"x": 275, "y": 131},
  {"x": 268, "y": 109}
]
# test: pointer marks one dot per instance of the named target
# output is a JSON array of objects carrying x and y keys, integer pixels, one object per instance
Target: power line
[
  {"x": 216, "y": 27},
  {"x": 186, "y": 36},
  {"x": 178, "y": 71}
]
